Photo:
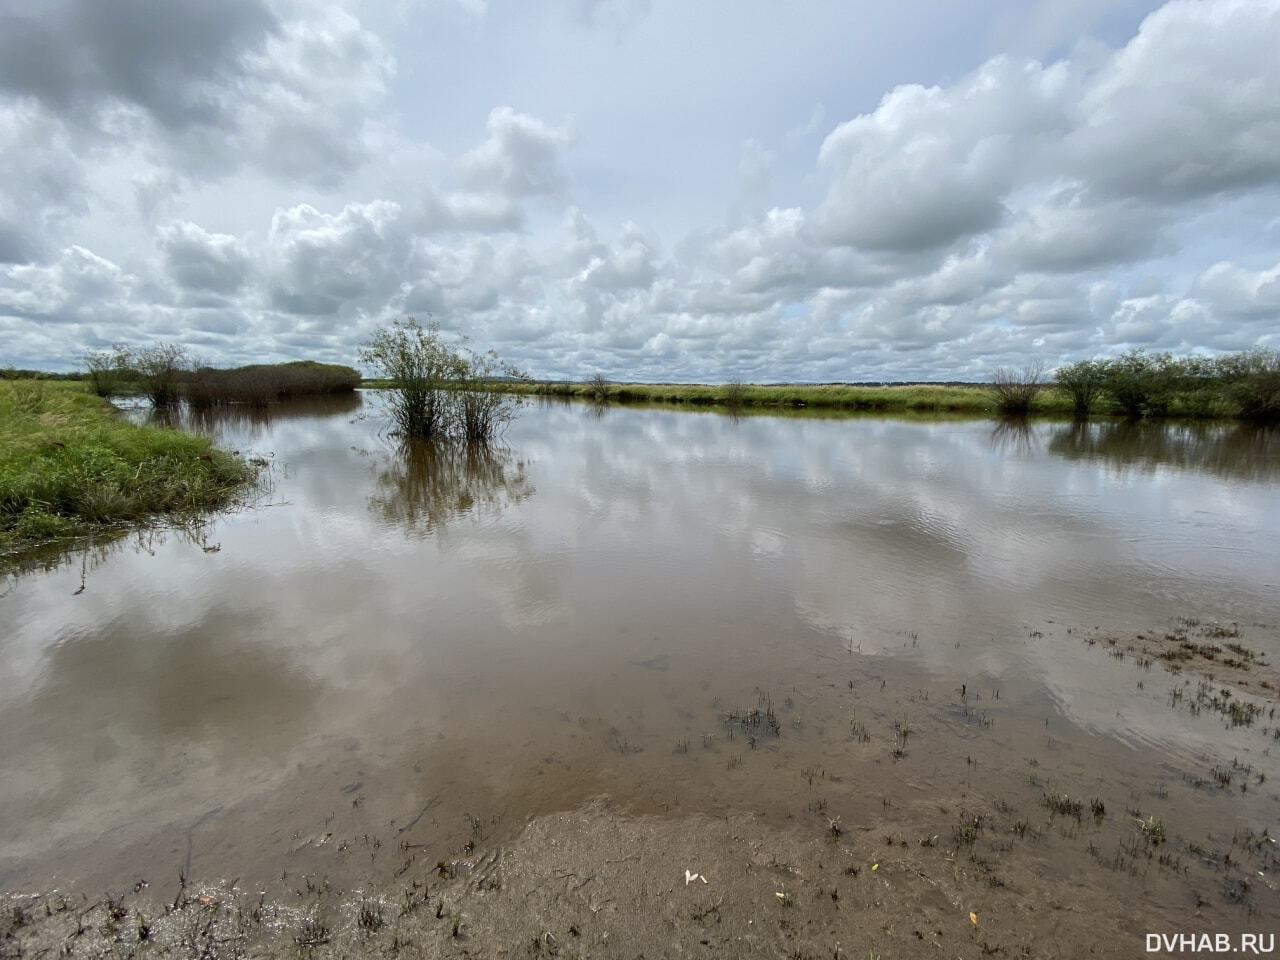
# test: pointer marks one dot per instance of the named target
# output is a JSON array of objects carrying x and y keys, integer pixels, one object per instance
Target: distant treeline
[{"x": 165, "y": 374}]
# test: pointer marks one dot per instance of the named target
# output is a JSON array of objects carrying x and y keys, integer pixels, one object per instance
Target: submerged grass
[{"x": 69, "y": 465}]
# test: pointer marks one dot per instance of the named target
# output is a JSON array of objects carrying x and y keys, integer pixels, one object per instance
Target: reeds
[{"x": 261, "y": 384}]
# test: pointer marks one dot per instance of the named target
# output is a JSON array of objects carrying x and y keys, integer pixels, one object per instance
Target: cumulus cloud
[
  {"x": 207, "y": 87},
  {"x": 199, "y": 260},
  {"x": 520, "y": 158},
  {"x": 1240, "y": 294},
  {"x": 325, "y": 263},
  {"x": 1187, "y": 109},
  {"x": 931, "y": 165},
  {"x": 78, "y": 57},
  {"x": 257, "y": 177}
]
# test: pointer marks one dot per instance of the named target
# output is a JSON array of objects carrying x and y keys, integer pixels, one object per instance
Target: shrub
[
  {"x": 1250, "y": 382},
  {"x": 420, "y": 367},
  {"x": 1083, "y": 383},
  {"x": 598, "y": 388},
  {"x": 106, "y": 369},
  {"x": 1016, "y": 389},
  {"x": 437, "y": 390},
  {"x": 1140, "y": 383},
  {"x": 483, "y": 409},
  {"x": 260, "y": 384},
  {"x": 160, "y": 369}
]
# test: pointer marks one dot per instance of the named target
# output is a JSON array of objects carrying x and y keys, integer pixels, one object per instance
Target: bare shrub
[{"x": 1016, "y": 389}]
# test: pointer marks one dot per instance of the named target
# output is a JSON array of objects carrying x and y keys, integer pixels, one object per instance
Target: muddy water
[{"x": 393, "y": 655}]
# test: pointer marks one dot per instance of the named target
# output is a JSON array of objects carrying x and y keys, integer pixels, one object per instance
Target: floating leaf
[{"x": 973, "y": 918}]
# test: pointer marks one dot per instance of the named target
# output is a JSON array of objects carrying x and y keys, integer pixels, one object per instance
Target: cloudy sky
[{"x": 651, "y": 189}]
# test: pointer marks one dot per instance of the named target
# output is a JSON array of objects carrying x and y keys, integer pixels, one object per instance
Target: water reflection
[
  {"x": 425, "y": 484},
  {"x": 762, "y": 552},
  {"x": 94, "y": 552},
  {"x": 1241, "y": 451},
  {"x": 1013, "y": 435},
  {"x": 251, "y": 422}
]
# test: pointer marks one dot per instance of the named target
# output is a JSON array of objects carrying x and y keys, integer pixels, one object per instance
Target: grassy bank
[
  {"x": 69, "y": 466},
  {"x": 925, "y": 397},
  {"x": 1203, "y": 399}
]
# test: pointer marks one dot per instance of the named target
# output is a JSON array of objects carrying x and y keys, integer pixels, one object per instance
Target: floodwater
[{"x": 393, "y": 653}]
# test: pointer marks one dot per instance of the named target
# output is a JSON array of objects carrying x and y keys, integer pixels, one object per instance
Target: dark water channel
[{"x": 394, "y": 653}]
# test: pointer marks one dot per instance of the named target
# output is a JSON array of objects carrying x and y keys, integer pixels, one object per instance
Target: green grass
[
  {"x": 69, "y": 466},
  {"x": 935, "y": 398},
  {"x": 921, "y": 398}
]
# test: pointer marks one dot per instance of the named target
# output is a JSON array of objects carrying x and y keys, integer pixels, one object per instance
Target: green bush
[
  {"x": 1250, "y": 383},
  {"x": 436, "y": 390},
  {"x": 1083, "y": 382},
  {"x": 1140, "y": 383}
]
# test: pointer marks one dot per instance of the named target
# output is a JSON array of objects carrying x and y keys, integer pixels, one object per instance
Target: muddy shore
[
  {"x": 1046, "y": 870},
  {"x": 597, "y": 883}
]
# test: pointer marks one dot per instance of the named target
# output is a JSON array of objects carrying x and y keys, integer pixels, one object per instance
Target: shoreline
[
  {"x": 72, "y": 469},
  {"x": 1044, "y": 869}
]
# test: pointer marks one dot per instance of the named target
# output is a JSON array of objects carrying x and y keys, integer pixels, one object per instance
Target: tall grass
[
  {"x": 261, "y": 384},
  {"x": 68, "y": 463},
  {"x": 1237, "y": 386}
]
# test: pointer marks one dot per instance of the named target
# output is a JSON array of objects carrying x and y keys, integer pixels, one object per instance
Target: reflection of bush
[
  {"x": 427, "y": 484},
  {"x": 1240, "y": 452},
  {"x": 253, "y": 421},
  {"x": 1012, "y": 435}
]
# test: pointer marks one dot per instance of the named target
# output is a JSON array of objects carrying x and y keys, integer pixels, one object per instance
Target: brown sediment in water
[
  {"x": 896, "y": 837},
  {"x": 595, "y": 882}
]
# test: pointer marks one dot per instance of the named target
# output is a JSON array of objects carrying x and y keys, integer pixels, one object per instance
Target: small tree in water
[
  {"x": 483, "y": 409},
  {"x": 436, "y": 390},
  {"x": 420, "y": 367}
]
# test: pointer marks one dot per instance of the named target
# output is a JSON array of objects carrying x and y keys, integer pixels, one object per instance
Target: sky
[{"x": 646, "y": 189}]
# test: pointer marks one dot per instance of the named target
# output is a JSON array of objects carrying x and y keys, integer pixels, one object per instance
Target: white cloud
[
  {"x": 520, "y": 158},
  {"x": 932, "y": 165},
  {"x": 199, "y": 260},
  {"x": 266, "y": 176}
]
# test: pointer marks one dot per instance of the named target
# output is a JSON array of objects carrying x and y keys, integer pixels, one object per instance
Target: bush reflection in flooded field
[{"x": 424, "y": 484}]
